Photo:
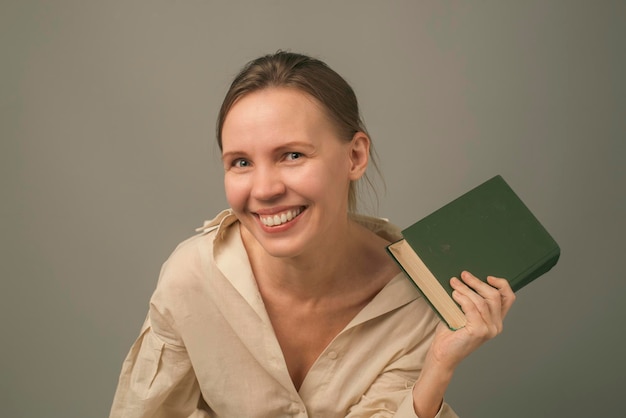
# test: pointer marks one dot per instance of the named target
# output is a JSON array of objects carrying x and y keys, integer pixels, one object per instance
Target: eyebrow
[
  {"x": 232, "y": 154},
  {"x": 283, "y": 147},
  {"x": 293, "y": 144}
]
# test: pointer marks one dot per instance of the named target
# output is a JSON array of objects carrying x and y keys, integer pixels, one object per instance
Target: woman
[{"x": 287, "y": 304}]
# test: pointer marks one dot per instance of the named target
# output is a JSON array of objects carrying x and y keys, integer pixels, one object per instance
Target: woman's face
[{"x": 287, "y": 173}]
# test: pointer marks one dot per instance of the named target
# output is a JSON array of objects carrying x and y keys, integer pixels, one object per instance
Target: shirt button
[
  {"x": 296, "y": 409},
  {"x": 332, "y": 355}
]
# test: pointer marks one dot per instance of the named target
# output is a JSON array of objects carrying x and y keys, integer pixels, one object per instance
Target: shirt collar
[{"x": 235, "y": 266}]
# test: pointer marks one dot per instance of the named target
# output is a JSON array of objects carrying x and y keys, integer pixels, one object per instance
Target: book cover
[{"x": 487, "y": 231}]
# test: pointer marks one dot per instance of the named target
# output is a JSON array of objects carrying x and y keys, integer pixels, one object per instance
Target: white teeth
[{"x": 280, "y": 219}]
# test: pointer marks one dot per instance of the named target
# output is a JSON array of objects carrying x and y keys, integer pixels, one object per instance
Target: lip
[{"x": 278, "y": 219}]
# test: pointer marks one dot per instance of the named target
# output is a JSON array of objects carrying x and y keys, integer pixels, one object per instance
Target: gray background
[{"x": 108, "y": 160}]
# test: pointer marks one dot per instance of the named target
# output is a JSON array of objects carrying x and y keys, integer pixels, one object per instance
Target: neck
[{"x": 310, "y": 276}]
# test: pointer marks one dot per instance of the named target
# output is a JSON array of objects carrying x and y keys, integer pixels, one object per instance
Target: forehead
[
  {"x": 262, "y": 102},
  {"x": 274, "y": 113}
]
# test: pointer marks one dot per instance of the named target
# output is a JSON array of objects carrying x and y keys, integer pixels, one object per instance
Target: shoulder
[
  {"x": 379, "y": 226},
  {"x": 191, "y": 260}
]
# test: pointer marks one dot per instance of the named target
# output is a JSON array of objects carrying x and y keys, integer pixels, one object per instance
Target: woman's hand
[{"x": 485, "y": 305}]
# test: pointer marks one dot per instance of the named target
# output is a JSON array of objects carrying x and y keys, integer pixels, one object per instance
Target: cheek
[
  {"x": 323, "y": 180},
  {"x": 235, "y": 191},
  {"x": 337, "y": 173}
]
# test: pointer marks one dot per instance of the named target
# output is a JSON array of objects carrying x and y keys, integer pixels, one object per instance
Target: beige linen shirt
[{"x": 207, "y": 347}]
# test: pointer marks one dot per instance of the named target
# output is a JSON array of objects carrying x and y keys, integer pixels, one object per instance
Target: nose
[{"x": 268, "y": 184}]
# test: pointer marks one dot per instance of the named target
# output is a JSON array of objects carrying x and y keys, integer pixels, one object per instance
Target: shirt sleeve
[
  {"x": 157, "y": 381},
  {"x": 406, "y": 409},
  {"x": 391, "y": 395}
]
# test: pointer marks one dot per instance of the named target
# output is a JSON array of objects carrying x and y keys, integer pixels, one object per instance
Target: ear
[{"x": 359, "y": 155}]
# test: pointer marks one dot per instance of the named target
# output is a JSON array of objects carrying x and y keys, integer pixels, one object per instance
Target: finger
[
  {"x": 479, "y": 319},
  {"x": 485, "y": 297},
  {"x": 483, "y": 289},
  {"x": 478, "y": 289},
  {"x": 487, "y": 304},
  {"x": 507, "y": 295}
]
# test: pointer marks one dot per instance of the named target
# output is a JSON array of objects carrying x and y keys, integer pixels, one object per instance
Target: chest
[{"x": 304, "y": 333}]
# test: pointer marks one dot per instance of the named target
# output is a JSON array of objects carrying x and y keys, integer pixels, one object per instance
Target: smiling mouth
[{"x": 280, "y": 218}]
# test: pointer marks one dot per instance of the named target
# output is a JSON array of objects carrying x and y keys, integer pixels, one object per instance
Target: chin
[
  {"x": 287, "y": 247},
  {"x": 284, "y": 246}
]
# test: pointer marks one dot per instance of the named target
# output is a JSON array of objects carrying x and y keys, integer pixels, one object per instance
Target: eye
[
  {"x": 240, "y": 163},
  {"x": 292, "y": 156}
]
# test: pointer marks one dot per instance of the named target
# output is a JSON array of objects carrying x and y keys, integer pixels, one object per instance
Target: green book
[{"x": 487, "y": 231}]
